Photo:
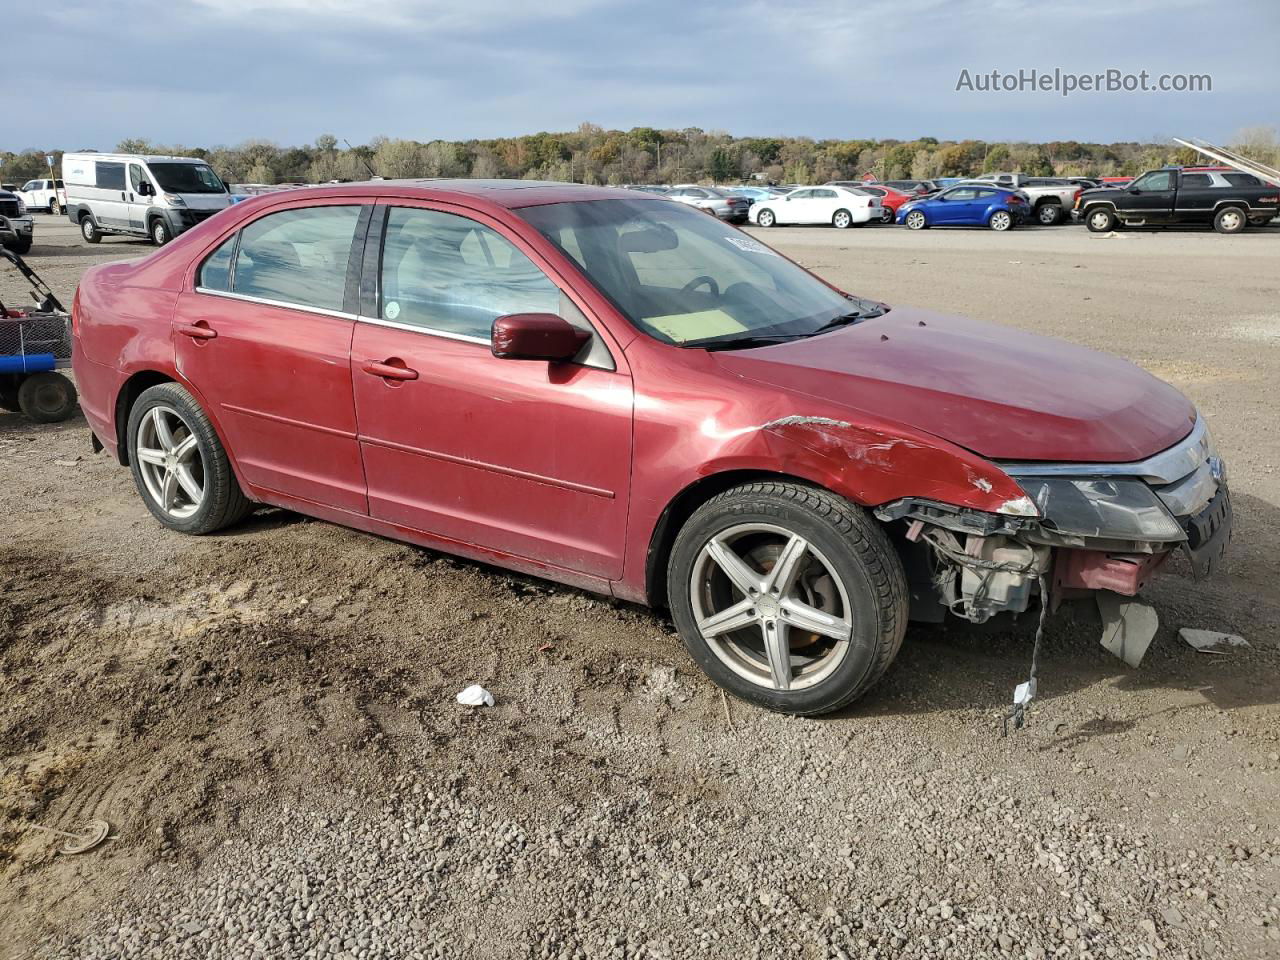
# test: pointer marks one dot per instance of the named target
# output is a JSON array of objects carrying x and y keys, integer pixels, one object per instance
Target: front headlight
[
  {"x": 1104, "y": 509},
  {"x": 22, "y": 207},
  {"x": 174, "y": 200}
]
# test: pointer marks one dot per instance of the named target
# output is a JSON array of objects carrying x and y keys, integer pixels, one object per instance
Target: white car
[
  {"x": 839, "y": 206},
  {"x": 43, "y": 195}
]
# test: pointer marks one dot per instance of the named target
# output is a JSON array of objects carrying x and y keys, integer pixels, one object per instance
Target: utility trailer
[{"x": 35, "y": 343}]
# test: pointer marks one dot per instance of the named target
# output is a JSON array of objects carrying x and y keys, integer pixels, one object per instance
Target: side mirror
[
  {"x": 144, "y": 189},
  {"x": 536, "y": 336}
]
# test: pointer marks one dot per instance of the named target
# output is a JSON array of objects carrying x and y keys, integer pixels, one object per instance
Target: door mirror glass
[
  {"x": 536, "y": 336},
  {"x": 144, "y": 189}
]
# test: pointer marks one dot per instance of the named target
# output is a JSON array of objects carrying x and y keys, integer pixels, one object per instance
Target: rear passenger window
[
  {"x": 110, "y": 176},
  {"x": 1196, "y": 180},
  {"x": 297, "y": 256},
  {"x": 215, "y": 272},
  {"x": 448, "y": 274},
  {"x": 1242, "y": 180}
]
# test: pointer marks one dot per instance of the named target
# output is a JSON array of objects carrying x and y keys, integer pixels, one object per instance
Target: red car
[{"x": 618, "y": 392}]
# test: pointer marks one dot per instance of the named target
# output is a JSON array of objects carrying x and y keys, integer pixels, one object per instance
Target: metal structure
[{"x": 1230, "y": 158}]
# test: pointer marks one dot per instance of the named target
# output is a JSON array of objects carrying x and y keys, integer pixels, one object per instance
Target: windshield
[
  {"x": 684, "y": 278},
  {"x": 186, "y": 178}
]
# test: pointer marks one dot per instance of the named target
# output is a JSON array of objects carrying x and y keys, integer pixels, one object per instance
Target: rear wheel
[
  {"x": 47, "y": 397},
  {"x": 842, "y": 220},
  {"x": 179, "y": 465},
  {"x": 1048, "y": 214},
  {"x": 55, "y": 208},
  {"x": 765, "y": 218},
  {"x": 887, "y": 214},
  {"x": 788, "y": 596},
  {"x": 1100, "y": 220},
  {"x": 916, "y": 220},
  {"x": 1001, "y": 220},
  {"x": 1230, "y": 220},
  {"x": 89, "y": 229}
]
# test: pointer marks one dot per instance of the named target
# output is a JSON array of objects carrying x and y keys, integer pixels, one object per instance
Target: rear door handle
[
  {"x": 197, "y": 331},
  {"x": 392, "y": 369}
]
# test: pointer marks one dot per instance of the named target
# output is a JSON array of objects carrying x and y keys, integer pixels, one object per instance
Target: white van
[{"x": 156, "y": 197}]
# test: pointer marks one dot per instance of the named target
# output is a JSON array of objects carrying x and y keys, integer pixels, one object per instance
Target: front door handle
[
  {"x": 391, "y": 369},
  {"x": 197, "y": 331}
]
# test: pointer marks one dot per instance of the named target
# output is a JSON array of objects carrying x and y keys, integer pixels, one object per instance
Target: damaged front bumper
[{"x": 1099, "y": 529}]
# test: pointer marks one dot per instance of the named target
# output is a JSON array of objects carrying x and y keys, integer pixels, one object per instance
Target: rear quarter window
[{"x": 1242, "y": 179}]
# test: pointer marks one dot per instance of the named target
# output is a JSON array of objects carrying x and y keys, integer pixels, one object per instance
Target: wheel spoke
[
  {"x": 185, "y": 448},
  {"x": 188, "y": 483},
  {"x": 151, "y": 455},
  {"x": 168, "y": 490},
  {"x": 739, "y": 574},
  {"x": 778, "y": 650},
  {"x": 164, "y": 436},
  {"x": 741, "y": 614},
  {"x": 783, "y": 575},
  {"x": 802, "y": 616}
]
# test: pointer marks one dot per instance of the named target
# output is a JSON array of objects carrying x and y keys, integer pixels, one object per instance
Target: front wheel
[
  {"x": 765, "y": 218},
  {"x": 1230, "y": 220},
  {"x": 788, "y": 596},
  {"x": 179, "y": 465},
  {"x": 915, "y": 220},
  {"x": 842, "y": 220},
  {"x": 1100, "y": 220},
  {"x": 1001, "y": 220},
  {"x": 21, "y": 245},
  {"x": 89, "y": 230},
  {"x": 160, "y": 234}
]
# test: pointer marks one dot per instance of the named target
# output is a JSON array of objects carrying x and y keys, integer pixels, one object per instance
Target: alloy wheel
[
  {"x": 170, "y": 462},
  {"x": 771, "y": 607},
  {"x": 842, "y": 219}
]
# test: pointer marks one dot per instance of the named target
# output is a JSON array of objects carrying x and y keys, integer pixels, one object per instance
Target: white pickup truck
[{"x": 45, "y": 195}]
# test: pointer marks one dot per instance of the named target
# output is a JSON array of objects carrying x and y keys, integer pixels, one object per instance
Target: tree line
[{"x": 592, "y": 154}]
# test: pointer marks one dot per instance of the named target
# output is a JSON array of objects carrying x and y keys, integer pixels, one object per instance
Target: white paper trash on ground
[
  {"x": 1207, "y": 639},
  {"x": 475, "y": 696}
]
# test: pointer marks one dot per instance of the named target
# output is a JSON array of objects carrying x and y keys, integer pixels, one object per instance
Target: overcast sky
[{"x": 204, "y": 72}]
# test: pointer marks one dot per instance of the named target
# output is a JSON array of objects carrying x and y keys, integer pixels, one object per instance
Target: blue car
[{"x": 971, "y": 206}]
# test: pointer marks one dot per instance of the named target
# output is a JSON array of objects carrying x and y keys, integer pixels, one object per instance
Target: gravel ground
[{"x": 266, "y": 717}]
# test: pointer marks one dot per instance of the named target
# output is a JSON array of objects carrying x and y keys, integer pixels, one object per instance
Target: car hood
[{"x": 1002, "y": 393}]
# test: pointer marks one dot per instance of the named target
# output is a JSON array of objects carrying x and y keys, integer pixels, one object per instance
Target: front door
[
  {"x": 795, "y": 207},
  {"x": 136, "y": 202},
  {"x": 528, "y": 458},
  {"x": 1149, "y": 198},
  {"x": 266, "y": 341},
  {"x": 110, "y": 205},
  {"x": 954, "y": 205}
]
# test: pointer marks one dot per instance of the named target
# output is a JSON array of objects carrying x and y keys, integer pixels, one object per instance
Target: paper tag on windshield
[{"x": 751, "y": 246}]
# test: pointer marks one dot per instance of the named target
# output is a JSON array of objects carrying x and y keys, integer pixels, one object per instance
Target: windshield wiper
[{"x": 740, "y": 343}]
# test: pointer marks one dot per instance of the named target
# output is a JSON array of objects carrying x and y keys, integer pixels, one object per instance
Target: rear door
[
  {"x": 265, "y": 338},
  {"x": 528, "y": 458}
]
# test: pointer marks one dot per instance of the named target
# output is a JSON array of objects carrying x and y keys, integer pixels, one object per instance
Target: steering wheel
[{"x": 699, "y": 281}]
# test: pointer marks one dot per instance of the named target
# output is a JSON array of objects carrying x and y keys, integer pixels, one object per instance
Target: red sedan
[{"x": 620, "y": 393}]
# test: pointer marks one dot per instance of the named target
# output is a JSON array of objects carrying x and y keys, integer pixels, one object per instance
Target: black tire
[
  {"x": 224, "y": 503},
  {"x": 842, "y": 219},
  {"x": 9, "y": 393},
  {"x": 20, "y": 246},
  {"x": 1230, "y": 220},
  {"x": 89, "y": 229},
  {"x": 1048, "y": 214},
  {"x": 858, "y": 552},
  {"x": 159, "y": 232},
  {"x": 762, "y": 222},
  {"x": 54, "y": 208},
  {"x": 888, "y": 214},
  {"x": 47, "y": 397},
  {"x": 1099, "y": 220}
]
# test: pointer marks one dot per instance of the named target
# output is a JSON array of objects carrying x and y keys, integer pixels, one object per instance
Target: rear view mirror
[
  {"x": 536, "y": 336},
  {"x": 144, "y": 190},
  {"x": 651, "y": 238}
]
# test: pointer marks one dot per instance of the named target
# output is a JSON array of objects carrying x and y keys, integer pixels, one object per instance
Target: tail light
[{"x": 1014, "y": 198}]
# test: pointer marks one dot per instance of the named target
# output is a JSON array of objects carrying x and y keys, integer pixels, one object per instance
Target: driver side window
[
  {"x": 448, "y": 274},
  {"x": 1159, "y": 180}
]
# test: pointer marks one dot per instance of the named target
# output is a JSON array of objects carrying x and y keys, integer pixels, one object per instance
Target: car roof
[{"x": 503, "y": 193}]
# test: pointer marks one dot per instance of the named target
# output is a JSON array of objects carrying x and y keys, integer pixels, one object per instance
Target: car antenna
[{"x": 367, "y": 166}]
